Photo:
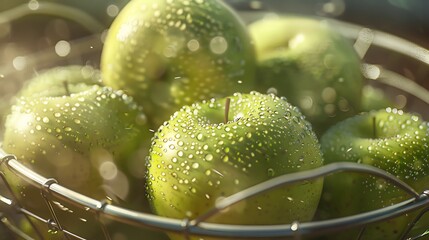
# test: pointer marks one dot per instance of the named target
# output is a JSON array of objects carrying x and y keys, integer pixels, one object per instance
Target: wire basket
[{"x": 110, "y": 219}]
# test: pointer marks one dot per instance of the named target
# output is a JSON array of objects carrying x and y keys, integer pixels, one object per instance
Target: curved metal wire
[{"x": 198, "y": 227}]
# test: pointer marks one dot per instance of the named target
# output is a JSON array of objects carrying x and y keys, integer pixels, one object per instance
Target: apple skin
[
  {"x": 51, "y": 82},
  {"x": 84, "y": 139},
  {"x": 196, "y": 159},
  {"x": 172, "y": 53},
  {"x": 396, "y": 143},
  {"x": 310, "y": 64}
]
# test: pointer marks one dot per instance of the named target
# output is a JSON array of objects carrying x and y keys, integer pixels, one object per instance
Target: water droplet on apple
[
  {"x": 208, "y": 157},
  {"x": 271, "y": 172},
  {"x": 200, "y": 136}
]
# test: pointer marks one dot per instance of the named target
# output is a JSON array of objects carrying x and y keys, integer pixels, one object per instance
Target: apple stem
[
  {"x": 374, "y": 128},
  {"x": 66, "y": 87},
  {"x": 227, "y": 103}
]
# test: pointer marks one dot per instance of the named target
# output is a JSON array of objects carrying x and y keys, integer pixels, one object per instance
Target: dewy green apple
[
  {"x": 60, "y": 81},
  {"x": 81, "y": 135},
  {"x": 197, "y": 158},
  {"x": 167, "y": 54},
  {"x": 71, "y": 123},
  {"x": 310, "y": 64},
  {"x": 389, "y": 139}
]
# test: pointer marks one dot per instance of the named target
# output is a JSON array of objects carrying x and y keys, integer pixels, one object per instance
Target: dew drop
[
  {"x": 208, "y": 157},
  {"x": 200, "y": 136}
]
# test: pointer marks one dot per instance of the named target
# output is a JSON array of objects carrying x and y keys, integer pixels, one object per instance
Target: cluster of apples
[{"x": 233, "y": 105}]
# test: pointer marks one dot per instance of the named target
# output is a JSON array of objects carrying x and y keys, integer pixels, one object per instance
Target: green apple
[
  {"x": 389, "y": 139},
  {"x": 310, "y": 64},
  {"x": 55, "y": 81},
  {"x": 41, "y": 84},
  {"x": 197, "y": 158},
  {"x": 171, "y": 53},
  {"x": 81, "y": 134}
]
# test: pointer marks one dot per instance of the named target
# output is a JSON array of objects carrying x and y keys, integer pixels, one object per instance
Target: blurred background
[{"x": 404, "y": 18}]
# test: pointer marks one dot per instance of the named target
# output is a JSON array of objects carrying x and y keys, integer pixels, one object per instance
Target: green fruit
[
  {"x": 390, "y": 139},
  {"x": 197, "y": 159},
  {"x": 81, "y": 134},
  {"x": 170, "y": 53},
  {"x": 310, "y": 64},
  {"x": 55, "y": 81}
]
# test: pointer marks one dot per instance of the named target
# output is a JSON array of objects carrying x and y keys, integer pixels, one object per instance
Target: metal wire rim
[{"x": 198, "y": 227}]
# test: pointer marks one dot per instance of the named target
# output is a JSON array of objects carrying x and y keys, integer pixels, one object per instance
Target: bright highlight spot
[
  {"x": 33, "y": 5},
  {"x": 19, "y": 63},
  {"x": 112, "y": 10},
  {"x": 193, "y": 45},
  {"x": 62, "y": 48},
  {"x": 218, "y": 45},
  {"x": 298, "y": 39},
  {"x": 108, "y": 170}
]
